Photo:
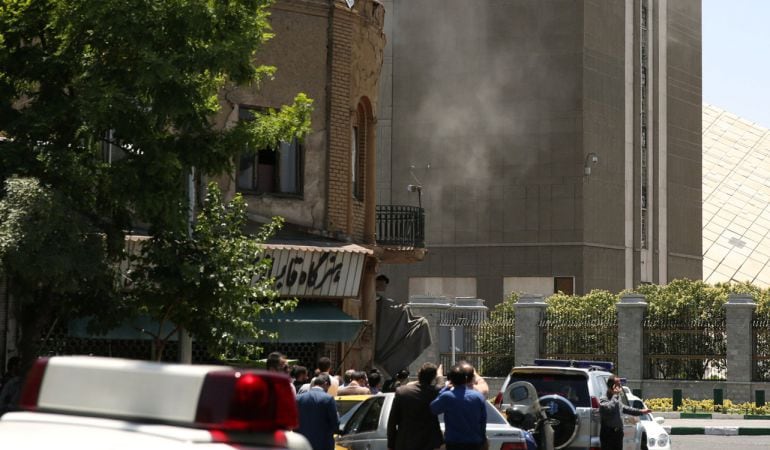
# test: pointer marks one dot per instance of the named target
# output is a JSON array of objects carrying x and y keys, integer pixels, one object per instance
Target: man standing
[
  {"x": 325, "y": 366},
  {"x": 318, "y": 419},
  {"x": 358, "y": 385},
  {"x": 411, "y": 424},
  {"x": 611, "y": 410},
  {"x": 464, "y": 409}
]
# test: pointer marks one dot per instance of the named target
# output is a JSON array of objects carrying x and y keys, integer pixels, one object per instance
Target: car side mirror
[{"x": 660, "y": 420}]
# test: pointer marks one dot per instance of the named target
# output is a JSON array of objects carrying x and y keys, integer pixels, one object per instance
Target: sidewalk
[{"x": 718, "y": 424}]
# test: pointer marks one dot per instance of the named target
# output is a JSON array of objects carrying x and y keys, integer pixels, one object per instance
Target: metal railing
[
  {"x": 761, "y": 353},
  {"x": 594, "y": 338},
  {"x": 400, "y": 225},
  {"x": 487, "y": 343},
  {"x": 685, "y": 348}
]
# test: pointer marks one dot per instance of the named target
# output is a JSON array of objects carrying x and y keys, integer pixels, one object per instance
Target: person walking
[
  {"x": 411, "y": 424},
  {"x": 318, "y": 419},
  {"x": 611, "y": 410},
  {"x": 464, "y": 409}
]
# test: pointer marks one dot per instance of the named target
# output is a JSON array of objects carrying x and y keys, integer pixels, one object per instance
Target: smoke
[{"x": 473, "y": 87}]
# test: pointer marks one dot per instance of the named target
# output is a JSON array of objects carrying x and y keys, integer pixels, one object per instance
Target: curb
[
  {"x": 718, "y": 431},
  {"x": 686, "y": 415}
]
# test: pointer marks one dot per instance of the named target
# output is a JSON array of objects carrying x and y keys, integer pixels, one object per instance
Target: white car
[
  {"x": 365, "y": 427},
  {"x": 657, "y": 437},
  {"x": 92, "y": 403}
]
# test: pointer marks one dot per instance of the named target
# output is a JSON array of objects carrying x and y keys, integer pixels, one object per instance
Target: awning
[
  {"x": 312, "y": 322},
  {"x": 317, "y": 270}
]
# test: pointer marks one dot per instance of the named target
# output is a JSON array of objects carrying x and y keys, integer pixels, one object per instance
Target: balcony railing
[{"x": 400, "y": 225}]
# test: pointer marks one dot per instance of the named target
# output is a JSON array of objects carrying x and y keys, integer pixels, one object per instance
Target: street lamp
[{"x": 416, "y": 188}]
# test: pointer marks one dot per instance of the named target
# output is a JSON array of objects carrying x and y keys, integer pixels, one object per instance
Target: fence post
[
  {"x": 677, "y": 399},
  {"x": 631, "y": 310},
  {"x": 739, "y": 311},
  {"x": 528, "y": 312}
]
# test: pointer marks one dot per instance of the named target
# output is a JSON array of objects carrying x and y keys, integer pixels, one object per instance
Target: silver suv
[{"x": 582, "y": 383}]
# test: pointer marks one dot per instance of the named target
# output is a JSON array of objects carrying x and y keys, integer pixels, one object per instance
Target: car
[
  {"x": 347, "y": 402},
  {"x": 366, "y": 427},
  {"x": 91, "y": 403},
  {"x": 657, "y": 437},
  {"x": 582, "y": 384}
]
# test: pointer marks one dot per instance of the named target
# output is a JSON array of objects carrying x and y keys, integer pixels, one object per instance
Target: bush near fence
[
  {"x": 684, "y": 328},
  {"x": 706, "y": 406}
]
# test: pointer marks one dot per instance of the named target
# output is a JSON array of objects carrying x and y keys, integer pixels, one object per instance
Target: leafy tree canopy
[
  {"x": 217, "y": 277},
  {"x": 142, "y": 76}
]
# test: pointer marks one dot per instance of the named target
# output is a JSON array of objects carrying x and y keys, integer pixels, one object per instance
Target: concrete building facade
[{"x": 557, "y": 144}]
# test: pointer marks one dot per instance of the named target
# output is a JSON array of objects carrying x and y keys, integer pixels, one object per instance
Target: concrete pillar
[
  {"x": 739, "y": 312},
  {"x": 631, "y": 311},
  {"x": 528, "y": 312},
  {"x": 431, "y": 310}
]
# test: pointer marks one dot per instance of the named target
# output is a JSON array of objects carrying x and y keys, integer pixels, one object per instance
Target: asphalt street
[{"x": 704, "y": 442}]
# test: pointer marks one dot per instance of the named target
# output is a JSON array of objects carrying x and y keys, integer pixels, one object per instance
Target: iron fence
[
  {"x": 594, "y": 338},
  {"x": 761, "y": 349},
  {"x": 685, "y": 348},
  {"x": 487, "y": 343}
]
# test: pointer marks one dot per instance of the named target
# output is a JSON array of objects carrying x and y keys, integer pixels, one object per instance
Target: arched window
[{"x": 358, "y": 153}]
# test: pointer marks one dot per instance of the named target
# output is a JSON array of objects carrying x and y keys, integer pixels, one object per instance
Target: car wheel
[{"x": 563, "y": 418}]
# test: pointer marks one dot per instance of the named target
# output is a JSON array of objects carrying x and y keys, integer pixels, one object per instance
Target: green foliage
[
  {"x": 55, "y": 258},
  {"x": 496, "y": 339},
  {"x": 214, "y": 284},
  {"x": 145, "y": 77},
  {"x": 597, "y": 303}
]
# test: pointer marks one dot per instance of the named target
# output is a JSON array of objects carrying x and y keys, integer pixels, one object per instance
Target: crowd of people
[{"x": 413, "y": 422}]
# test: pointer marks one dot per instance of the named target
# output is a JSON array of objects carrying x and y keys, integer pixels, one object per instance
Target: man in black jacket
[
  {"x": 411, "y": 425},
  {"x": 611, "y": 410}
]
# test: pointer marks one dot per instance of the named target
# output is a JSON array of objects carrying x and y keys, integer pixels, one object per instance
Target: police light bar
[
  {"x": 581, "y": 364},
  {"x": 209, "y": 397}
]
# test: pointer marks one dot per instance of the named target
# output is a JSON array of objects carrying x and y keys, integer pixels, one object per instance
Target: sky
[{"x": 736, "y": 57}]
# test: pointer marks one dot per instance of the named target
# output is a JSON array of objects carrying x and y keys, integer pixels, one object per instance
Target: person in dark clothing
[
  {"x": 612, "y": 410},
  {"x": 411, "y": 424},
  {"x": 464, "y": 409},
  {"x": 318, "y": 419}
]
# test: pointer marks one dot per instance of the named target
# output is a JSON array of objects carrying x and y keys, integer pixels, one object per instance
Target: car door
[
  {"x": 364, "y": 431},
  {"x": 631, "y": 436}
]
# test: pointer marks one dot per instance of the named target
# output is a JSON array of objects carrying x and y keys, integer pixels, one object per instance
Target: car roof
[{"x": 352, "y": 398}]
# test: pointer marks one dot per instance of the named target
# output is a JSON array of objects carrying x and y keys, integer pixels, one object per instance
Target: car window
[
  {"x": 343, "y": 406},
  {"x": 573, "y": 387},
  {"x": 366, "y": 417},
  {"x": 493, "y": 415}
]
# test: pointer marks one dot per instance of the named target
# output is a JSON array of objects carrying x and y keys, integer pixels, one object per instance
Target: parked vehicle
[
  {"x": 582, "y": 384},
  {"x": 657, "y": 437},
  {"x": 365, "y": 427},
  {"x": 92, "y": 403}
]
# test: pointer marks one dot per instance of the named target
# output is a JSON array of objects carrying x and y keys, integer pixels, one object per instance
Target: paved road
[
  {"x": 702, "y": 442},
  {"x": 721, "y": 426}
]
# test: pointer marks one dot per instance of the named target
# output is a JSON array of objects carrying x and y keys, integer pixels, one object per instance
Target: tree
[
  {"x": 55, "y": 259},
  {"x": 141, "y": 76},
  {"x": 218, "y": 280}
]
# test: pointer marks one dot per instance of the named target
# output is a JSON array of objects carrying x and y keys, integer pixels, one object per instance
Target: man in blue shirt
[
  {"x": 318, "y": 414},
  {"x": 464, "y": 409}
]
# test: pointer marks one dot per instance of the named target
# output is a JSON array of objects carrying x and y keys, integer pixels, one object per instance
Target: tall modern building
[{"x": 555, "y": 145}]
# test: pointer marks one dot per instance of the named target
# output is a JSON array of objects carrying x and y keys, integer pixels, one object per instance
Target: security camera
[{"x": 413, "y": 187}]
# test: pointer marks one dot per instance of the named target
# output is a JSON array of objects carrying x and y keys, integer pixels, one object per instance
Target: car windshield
[{"x": 573, "y": 387}]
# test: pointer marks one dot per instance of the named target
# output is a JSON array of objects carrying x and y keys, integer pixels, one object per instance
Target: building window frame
[{"x": 271, "y": 171}]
